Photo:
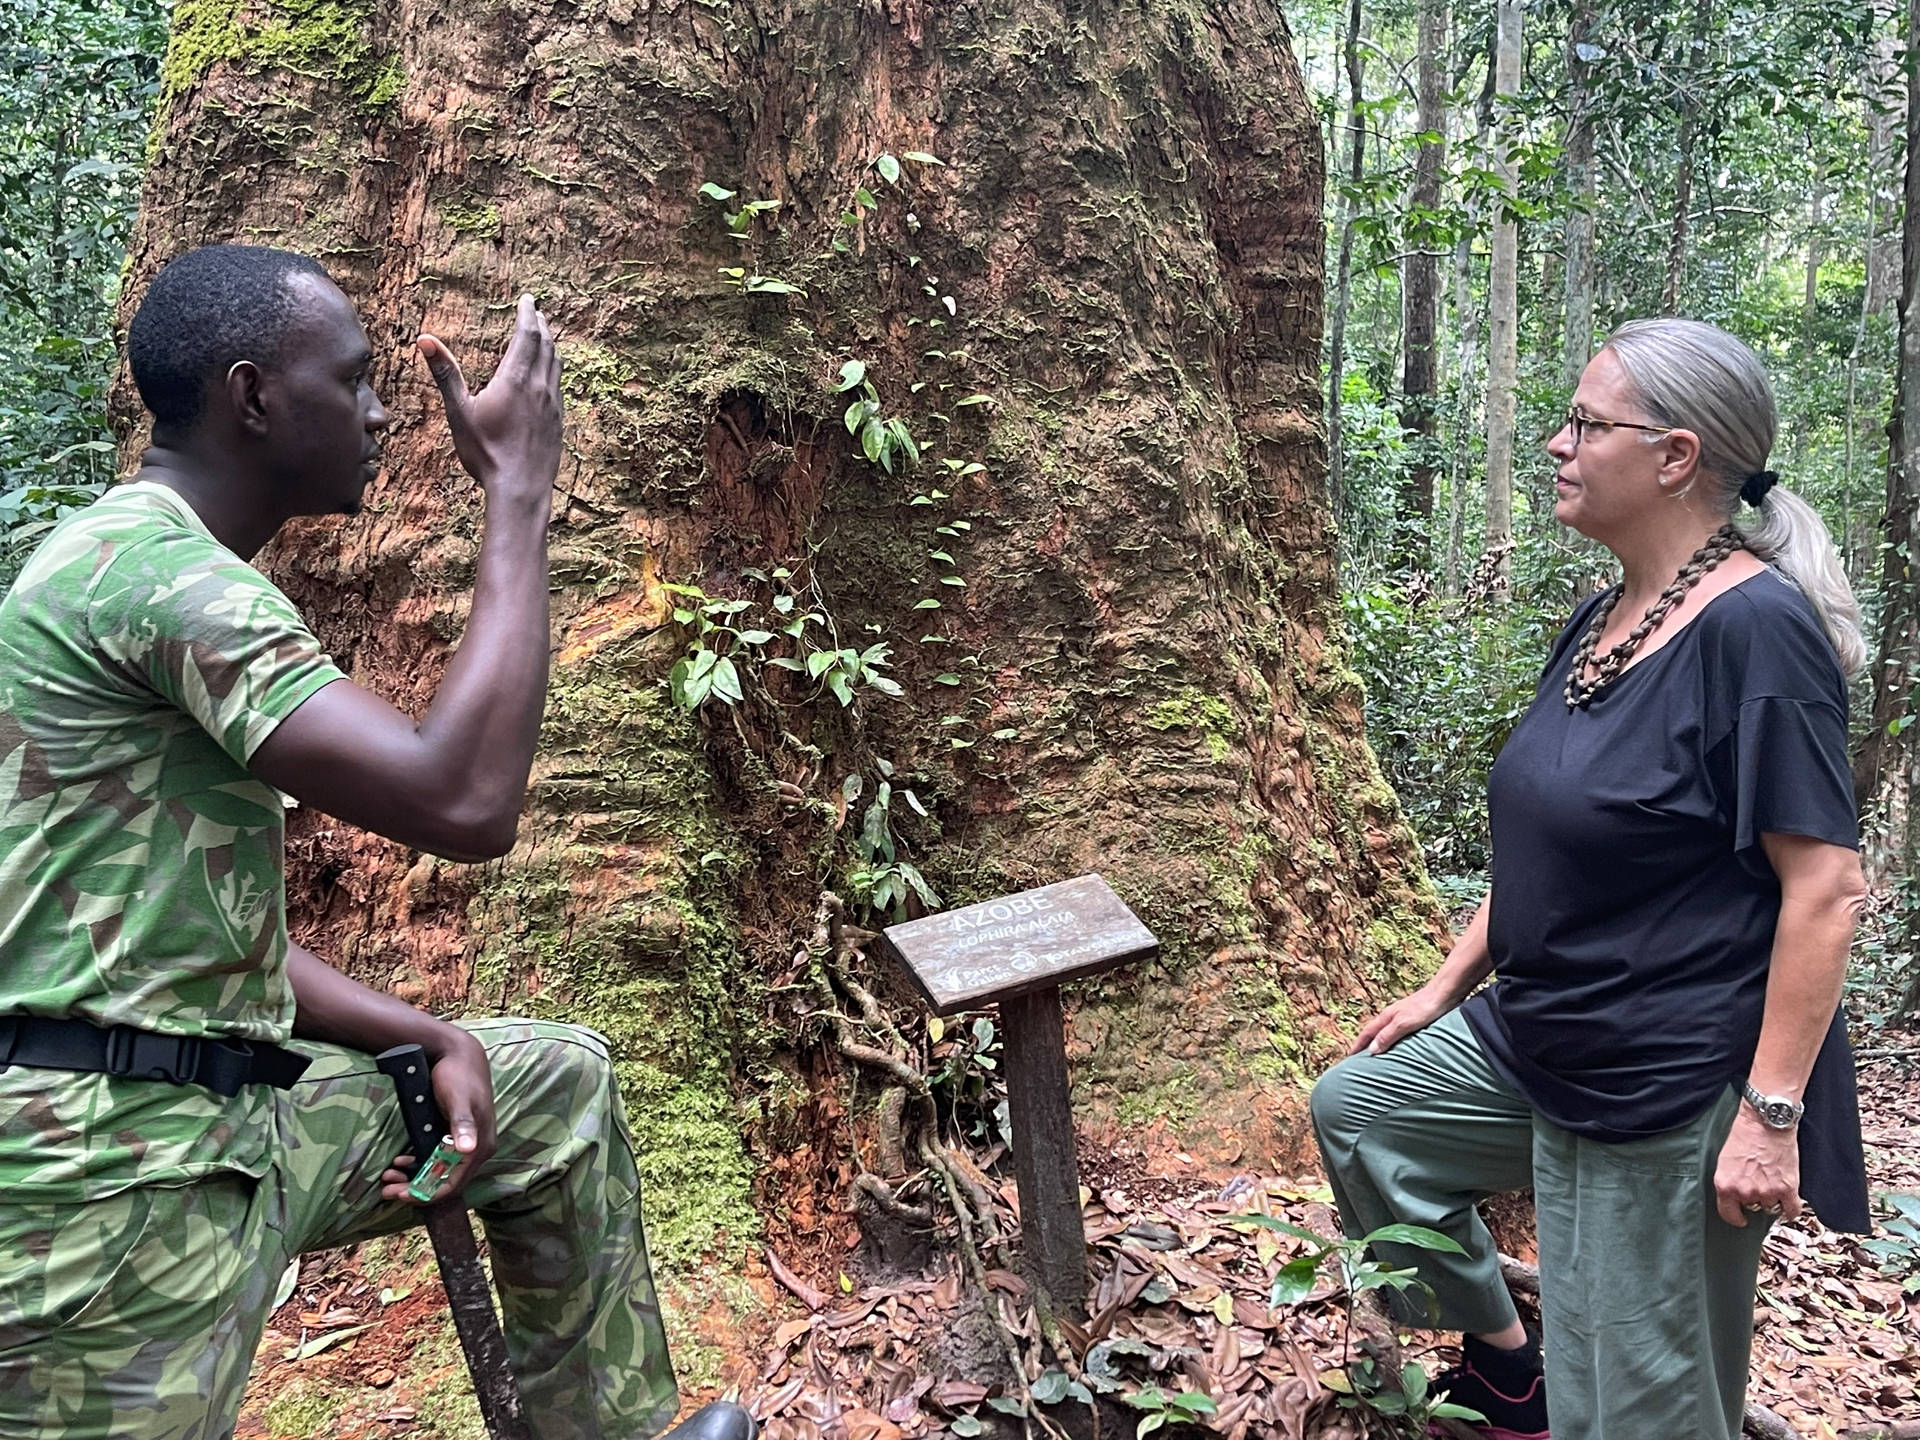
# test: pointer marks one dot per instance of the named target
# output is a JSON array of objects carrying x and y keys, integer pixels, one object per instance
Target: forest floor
[{"x": 362, "y": 1348}]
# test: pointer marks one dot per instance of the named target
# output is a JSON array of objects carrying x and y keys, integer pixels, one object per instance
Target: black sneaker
[
  {"x": 720, "y": 1420},
  {"x": 1513, "y": 1397}
]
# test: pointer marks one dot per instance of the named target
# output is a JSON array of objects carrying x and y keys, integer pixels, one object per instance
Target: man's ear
[{"x": 244, "y": 399}]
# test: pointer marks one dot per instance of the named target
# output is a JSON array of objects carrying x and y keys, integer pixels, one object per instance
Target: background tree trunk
[
  {"x": 1816, "y": 247},
  {"x": 1885, "y": 106},
  {"x": 1884, "y": 769},
  {"x": 1420, "y": 384},
  {"x": 1577, "y": 333},
  {"x": 1469, "y": 394},
  {"x": 1141, "y": 669},
  {"x": 1503, "y": 327},
  {"x": 1693, "y": 84},
  {"x": 1356, "y": 132}
]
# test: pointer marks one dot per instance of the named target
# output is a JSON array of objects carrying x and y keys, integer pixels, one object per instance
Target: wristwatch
[{"x": 1775, "y": 1111}]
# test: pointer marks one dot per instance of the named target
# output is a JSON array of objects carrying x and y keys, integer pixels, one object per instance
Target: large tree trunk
[
  {"x": 1420, "y": 385},
  {"x": 1503, "y": 318},
  {"x": 1140, "y": 673}
]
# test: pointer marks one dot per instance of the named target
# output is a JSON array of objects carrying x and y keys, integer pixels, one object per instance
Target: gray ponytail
[{"x": 1697, "y": 377}]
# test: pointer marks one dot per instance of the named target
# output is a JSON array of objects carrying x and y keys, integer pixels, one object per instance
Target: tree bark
[
  {"x": 1343, "y": 267},
  {"x": 1140, "y": 673},
  {"x": 1468, "y": 394},
  {"x": 1503, "y": 325},
  {"x": 1420, "y": 384},
  {"x": 1816, "y": 247}
]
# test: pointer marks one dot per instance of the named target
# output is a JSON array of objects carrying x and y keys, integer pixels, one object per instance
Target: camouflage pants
[{"x": 138, "y": 1315}]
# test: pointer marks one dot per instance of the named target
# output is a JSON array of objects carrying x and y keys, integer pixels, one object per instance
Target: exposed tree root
[
  {"x": 966, "y": 1196},
  {"x": 1762, "y": 1424}
]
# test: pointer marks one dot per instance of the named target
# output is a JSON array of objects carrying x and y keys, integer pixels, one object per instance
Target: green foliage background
[
  {"x": 77, "y": 81},
  {"x": 1783, "y": 100}
]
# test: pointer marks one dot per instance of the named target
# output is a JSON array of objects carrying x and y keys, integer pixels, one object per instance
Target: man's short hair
[{"x": 203, "y": 312}]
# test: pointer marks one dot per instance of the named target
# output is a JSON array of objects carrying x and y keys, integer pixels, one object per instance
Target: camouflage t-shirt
[{"x": 141, "y": 865}]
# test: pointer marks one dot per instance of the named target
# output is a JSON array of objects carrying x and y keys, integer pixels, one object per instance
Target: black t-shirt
[{"x": 1633, "y": 906}]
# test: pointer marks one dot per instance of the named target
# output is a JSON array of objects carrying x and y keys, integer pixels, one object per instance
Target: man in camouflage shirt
[{"x": 159, "y": 700}]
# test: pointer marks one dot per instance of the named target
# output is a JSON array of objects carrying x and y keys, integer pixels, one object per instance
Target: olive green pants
[
  {"x": 1646, "y": 1293},
  {"x": 136, "y": 1316}
]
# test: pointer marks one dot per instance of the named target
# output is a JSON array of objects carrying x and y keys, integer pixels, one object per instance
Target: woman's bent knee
[{"x": 1337, "y": 1103}]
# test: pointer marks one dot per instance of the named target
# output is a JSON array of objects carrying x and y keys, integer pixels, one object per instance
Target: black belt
[{"x": 222, "y": 1066}]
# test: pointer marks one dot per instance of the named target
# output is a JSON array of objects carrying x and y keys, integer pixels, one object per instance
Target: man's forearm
[
  {"x": 341, "y": 1011},
  {"x": 488, "y": 707}
]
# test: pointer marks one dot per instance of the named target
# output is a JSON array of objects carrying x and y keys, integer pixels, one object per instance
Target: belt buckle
[{"x": 143, "y": 1055}]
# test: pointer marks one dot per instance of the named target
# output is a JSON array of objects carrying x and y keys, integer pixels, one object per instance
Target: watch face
[{"x": 1778, "y": 1114}]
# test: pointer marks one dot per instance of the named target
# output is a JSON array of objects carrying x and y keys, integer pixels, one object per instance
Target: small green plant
[
  {"x": 740, "y": 225},
  {"x": 882, "y": 441},
  {"x": 740, "y": 221},
  {"x": 1899, "y": 1251},
  {"x": 881, "y": 880},
  {"x": 1162, "y": 1406},
  {"x": 968, "y": 1087},
  {"x": 864, "y": 202},
  {"x": 717, "y": 646},
  {"x": 1366, "y": 1381}
]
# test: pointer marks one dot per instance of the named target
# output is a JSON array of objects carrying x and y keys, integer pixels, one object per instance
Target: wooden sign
[
  {"x": 1014, "y": 952},
  {"x": 963, "y": 959}
]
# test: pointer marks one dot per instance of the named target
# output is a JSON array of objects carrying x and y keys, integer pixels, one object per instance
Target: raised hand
[{"x": 507, "y": 436}]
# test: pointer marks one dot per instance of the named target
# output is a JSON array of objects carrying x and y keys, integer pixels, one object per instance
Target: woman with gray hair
[{"x": 1675, "y": 882}]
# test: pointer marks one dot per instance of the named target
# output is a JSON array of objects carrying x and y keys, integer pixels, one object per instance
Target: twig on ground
[
  {"x": 808, "y": 1296},
  {"x": 1762, "y": 1424},
  {"x": 1522, "y": 1279}
]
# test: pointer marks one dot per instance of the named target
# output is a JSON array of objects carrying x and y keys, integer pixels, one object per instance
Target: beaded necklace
[{"x": 1581, "y": 691}]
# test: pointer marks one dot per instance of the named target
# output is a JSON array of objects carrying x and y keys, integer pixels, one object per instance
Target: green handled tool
[{"x": 447, "y": 1226}]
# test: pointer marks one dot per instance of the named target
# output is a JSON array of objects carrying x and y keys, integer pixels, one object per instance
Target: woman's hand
[
  {"x": 1401, "y": 1018},
  {"x": 1759, "y": 1171},
  {"x": 463, "y": 1084}
]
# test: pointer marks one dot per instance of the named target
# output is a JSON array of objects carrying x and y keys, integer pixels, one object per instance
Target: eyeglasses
[{"x": 1579, "y": 422}]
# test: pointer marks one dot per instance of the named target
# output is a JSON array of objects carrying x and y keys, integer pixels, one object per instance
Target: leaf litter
[{"x": 1179, "y": 1305}]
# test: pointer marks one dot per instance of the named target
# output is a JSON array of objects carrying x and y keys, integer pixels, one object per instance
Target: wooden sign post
[{"x": 1015, "y": 952}]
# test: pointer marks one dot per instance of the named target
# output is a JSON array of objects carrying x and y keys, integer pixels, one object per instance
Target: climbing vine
[{"x": 780, "y": 619}]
